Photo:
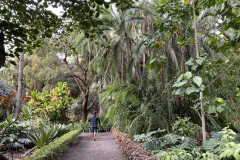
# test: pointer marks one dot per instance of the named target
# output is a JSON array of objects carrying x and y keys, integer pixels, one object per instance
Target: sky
[{"x": 56, "y": 11}]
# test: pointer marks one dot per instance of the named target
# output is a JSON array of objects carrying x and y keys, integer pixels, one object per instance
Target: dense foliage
[
  {"x": 164, "y": 71},
  {"x": 220, "y": 145},
  {"x": 51, "y": 106}
]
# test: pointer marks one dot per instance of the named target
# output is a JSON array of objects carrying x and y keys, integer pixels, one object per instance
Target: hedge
[{"x": 55, "y": 149}]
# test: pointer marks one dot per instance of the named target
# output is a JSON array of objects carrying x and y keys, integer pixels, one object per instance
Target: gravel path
[{"x": 104, "y": 148}]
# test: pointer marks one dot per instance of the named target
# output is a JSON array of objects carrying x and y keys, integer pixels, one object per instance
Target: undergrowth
[{"x": 223, "y": 145}]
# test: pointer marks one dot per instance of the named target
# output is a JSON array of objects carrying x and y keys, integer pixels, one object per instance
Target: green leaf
[
  {"x": 197, "y": 80},
  {"x": 191, "y": 89},
  {"x": 202, "y": 87},
  {"x": 180, "y": 78},
  {"x": 180, "y": 91},
  {"x": 13, "y": 63},
  {"x": 97, "y": 14},
  {"x": 11, "y": 55},
  {"x": 186, "y": 1},
  {"x": 19, "y": 50},
  {"x": 188, "y": 75},
  {"x": 211, "y": 109},
  {"x": 106, "y": 5},
  {"x": 226, "y": 153},
  {"x": 179, "y": 84},
  {"x": 194, "y": 68},
  {"x": 200, "y": 61},
  {"x": 11, "y": 139},
  {"x": 220, "y": 109},
  {"x": 219, "y": 100},
  {"x": 190, "y": 62},
  {"x": 236, "y": 154}
]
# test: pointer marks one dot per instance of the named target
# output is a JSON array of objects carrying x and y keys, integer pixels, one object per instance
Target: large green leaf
[
  {"x": 179, "y": 84},
  {"x": 197, "y": 80},
  {"x": 226, "y": 153},
  {"x": 220, "y": 109},
  {"x": 188, "y": 75},
  {"x": 191, "y": 89},
  {"x": 180, "y": 78},
  {"x": 236, "y": 154},
  {"x": 211, "y": 109},
  {"x": 180, "y": 91},
  {"x": 200, "y": 60},
  {"x": 190, "y": 62}
]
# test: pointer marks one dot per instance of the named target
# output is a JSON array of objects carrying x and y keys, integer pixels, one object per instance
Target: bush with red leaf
[{"x": 133, "y": 150}]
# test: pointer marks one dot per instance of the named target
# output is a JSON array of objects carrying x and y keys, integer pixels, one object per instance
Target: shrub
[
  {"x": 176, "y": 154},
  {"x": 15, "y": 137},
  {"x": 85, "y": 127},
  {"x": 183, "y": 127},
  {"x": 56, "y": 148},
  {"x": 46, "y": 134}
]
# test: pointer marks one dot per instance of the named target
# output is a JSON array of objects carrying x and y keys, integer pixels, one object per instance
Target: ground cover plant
[{"x": 221, "y": 145}]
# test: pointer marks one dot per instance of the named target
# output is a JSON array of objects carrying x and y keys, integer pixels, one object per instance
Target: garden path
[{"x": 104, "y": 148}]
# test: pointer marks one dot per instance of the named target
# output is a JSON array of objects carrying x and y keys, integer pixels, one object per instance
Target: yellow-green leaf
[{"x": 187, "y": 1}]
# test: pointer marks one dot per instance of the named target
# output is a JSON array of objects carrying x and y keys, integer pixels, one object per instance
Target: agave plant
[{"x": 46, "y": 134}]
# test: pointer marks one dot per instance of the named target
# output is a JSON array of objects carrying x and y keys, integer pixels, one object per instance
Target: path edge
[{"x": 57, "y": 148}]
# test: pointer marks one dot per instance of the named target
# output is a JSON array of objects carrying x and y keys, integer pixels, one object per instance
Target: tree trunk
[
  {"x": 123, "y": 69},
  {"x": 201, "y": 93},
  {"x": 163, "y": 78},
  {"x": 84, "y": 108},
  {"x": 8, "y": 113},
  {"x": 2, "y": 50},
  {"x": 101, "y": 109},
  {"x": 20, "y": 82}
]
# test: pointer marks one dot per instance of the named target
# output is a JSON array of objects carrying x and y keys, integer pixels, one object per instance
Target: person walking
[{"x": 94, "y": 124}]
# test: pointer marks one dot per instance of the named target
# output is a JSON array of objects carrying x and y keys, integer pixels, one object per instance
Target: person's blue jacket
[{"x": 94, "y": 121}]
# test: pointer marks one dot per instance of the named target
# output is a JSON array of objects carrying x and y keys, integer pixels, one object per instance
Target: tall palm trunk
[{"x": 20, "y": 83}]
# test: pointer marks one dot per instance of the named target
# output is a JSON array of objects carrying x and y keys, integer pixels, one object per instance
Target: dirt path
[{"x": 104, "y": 148}]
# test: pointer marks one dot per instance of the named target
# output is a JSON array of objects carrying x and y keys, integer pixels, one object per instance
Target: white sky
[{"x": 56, "y": 11}]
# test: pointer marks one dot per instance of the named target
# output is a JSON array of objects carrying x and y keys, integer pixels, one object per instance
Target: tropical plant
[
  {"x": 15, "y": 136},
  {"x": 86, "y": 127},
  {"x": 184, "y": 127},
  {"x": 7, "y": 98},
  {"x": 176, "y": 154},
  {"x": 53, "y": 106},
  {"x": 13, "y": 142},
  {"x": 46, "y": 134}
]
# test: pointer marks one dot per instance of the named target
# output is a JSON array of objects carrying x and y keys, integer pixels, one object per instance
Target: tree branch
[
  {"x": 223, "y": 71},
  {"x": 74, "y": 75},
  {"x": 9, "y": 124},
  {"x": 90, "y": 106}
]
